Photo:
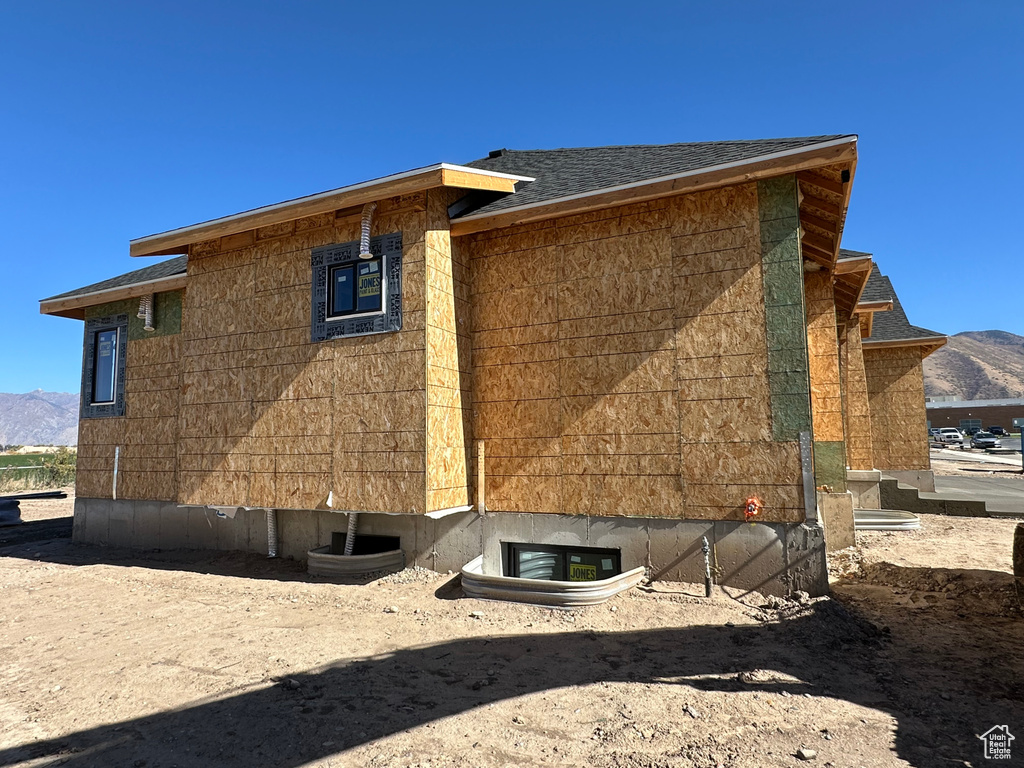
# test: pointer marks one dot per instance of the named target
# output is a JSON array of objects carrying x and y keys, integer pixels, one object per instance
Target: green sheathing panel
[
  {"x": 166, "y": 315},
  {"x": 786, "y": 320},
  {"x": 830, "y": 465}
]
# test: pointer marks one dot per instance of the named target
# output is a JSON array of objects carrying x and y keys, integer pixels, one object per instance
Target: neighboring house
[
  {"x": 887, "y": 428},
  {"x": 635, "y": 340}
]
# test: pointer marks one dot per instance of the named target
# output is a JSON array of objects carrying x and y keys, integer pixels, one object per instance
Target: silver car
[{"x": 985, "y": 440}]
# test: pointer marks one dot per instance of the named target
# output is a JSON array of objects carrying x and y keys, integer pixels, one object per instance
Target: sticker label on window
[
  {"x": 582, "y": 572},
  {"x": 369, "y": 285}
]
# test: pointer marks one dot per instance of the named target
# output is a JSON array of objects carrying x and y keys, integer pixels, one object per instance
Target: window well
[{"x": 560, "y": 563}]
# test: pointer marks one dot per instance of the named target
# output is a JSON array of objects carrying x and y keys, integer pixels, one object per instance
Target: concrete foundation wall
[
  {"x": 863, "y": 486},
  {"x": 773, "y": 558},
  {"x": 441, "y": 545},
  {"x": 836, "y": 511}
]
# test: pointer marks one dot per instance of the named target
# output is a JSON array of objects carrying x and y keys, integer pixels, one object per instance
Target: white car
[{"x": 950, "y": 435}]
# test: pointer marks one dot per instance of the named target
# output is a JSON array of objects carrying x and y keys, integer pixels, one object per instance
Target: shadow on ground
[
  {"x": 50, "y": 541},
  {"x": 37, "y": 530},
  {"x": 940, "y": 702}
]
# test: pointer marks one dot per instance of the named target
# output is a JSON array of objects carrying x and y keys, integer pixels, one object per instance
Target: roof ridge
[{"x": 823, "y": 137}]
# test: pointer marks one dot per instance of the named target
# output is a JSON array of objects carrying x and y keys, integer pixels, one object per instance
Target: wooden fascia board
[
  {"x": 930, "y": 343},
  {"x": 870, "y": 307},
  {"x": 755, "y": 170},
  {"x": 74, "y": 306},
  {"x": 868, "y": 325},
  {"x": 858, "y": 264},
  {"x": 178, "y": 240},
  {"x": 860, "y": 275}
]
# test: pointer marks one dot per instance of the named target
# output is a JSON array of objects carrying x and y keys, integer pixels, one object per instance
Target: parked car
[
  {"x": 972, "y": 431},
  {"x": 985, "y": 440},
  {"x": 950, "y": 435},
  {"x": 997, "y": 431},
  {"x": 933, "y": 432}
]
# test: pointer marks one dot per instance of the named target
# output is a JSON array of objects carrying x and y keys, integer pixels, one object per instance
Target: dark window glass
[
  {"x": 368, "y": 286},
  {"x": 342, "y": 293},
  {"x": 355, "y": 288},
  {"x": 105, "y": 366},
  {"x": 561, "y": 563},
  {"x": 540, "y": 565}
]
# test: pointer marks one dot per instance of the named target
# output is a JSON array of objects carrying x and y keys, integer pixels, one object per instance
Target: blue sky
[{"x": 124, "y": 119}]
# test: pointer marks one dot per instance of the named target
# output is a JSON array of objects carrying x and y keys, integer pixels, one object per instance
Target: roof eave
[
  {"x": 928, "y": 344},
  {"x": 753, "y": 169},
  {"x": 74, "y": 306},
  {"x": 176, "y": 241}
]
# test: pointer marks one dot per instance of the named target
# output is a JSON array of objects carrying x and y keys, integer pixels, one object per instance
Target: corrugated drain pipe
[
  {"x": 146, "y": 311},
  {"x": 364, "y": 231},
  {"x": 364, "y": 253},
  {"x": 271, "y": 533}
]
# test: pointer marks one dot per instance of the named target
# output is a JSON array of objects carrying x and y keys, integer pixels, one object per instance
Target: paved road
[{"x": 1001, "y": 494}]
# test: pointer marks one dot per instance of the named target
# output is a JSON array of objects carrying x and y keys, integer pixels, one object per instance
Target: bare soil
[{"x": 117, "y": 658}]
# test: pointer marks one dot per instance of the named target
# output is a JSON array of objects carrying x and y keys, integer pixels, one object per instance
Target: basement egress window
[
  {"x": 353, "y": 296},
  {"x": 560, "y": 563}
]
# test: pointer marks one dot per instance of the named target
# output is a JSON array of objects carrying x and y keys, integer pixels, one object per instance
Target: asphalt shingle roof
[
  {"x": 175, "y": 266},
  {"x": 564, "y": 172},
  {"x": 892, "y": 325}
]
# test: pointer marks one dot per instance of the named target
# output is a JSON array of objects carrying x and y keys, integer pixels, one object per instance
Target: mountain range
[
  {"x": 977, "y": 365},
  {"x": 39, "y": 418}
]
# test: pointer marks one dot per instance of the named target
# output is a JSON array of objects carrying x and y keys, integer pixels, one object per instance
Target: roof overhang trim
[
  {"x": 724, "y": 174},
  {"x": 176, "y": 241},
  {"x": 928, "y": 343},
  {"x": 74, "y": 306},
  {"x": 865, "y": 307}
]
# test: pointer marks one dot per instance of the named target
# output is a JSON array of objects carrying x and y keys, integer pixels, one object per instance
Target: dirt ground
[{"x": 114, "y": 658}]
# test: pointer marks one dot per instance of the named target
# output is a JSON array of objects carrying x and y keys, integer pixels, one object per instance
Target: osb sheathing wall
[
  {"x": 269, "y": 418},
  {"x": 857, "y": 408},
  {"x": 449, "y": 370},
  {"x": 621, "y": 364},
  {"x": 146, "y": 436},
  {"x": 899, "y": 423},
  {"x": 826, "y": 387}
]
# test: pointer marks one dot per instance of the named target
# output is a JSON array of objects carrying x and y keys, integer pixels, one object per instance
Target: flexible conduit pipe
[
  {"x": 350, "y": 536},
  {"x": 364, "y": 231},
  {"x": 146, "y": 310},
  {"x": 271, "y": 533}
]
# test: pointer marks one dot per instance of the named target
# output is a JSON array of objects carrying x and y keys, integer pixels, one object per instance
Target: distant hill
[
  {"x": 39, "y": 418},
  {"x": 977, "y": 365}
]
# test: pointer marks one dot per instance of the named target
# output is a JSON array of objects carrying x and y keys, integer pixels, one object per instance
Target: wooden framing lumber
[
  {"x": 821, "y": 182},
  {"x": 819, "y": 242},
  {"x": 865, "y": 307},
  {"x": 849, "y": 266},
  {"x": 809, "y": 201}
]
